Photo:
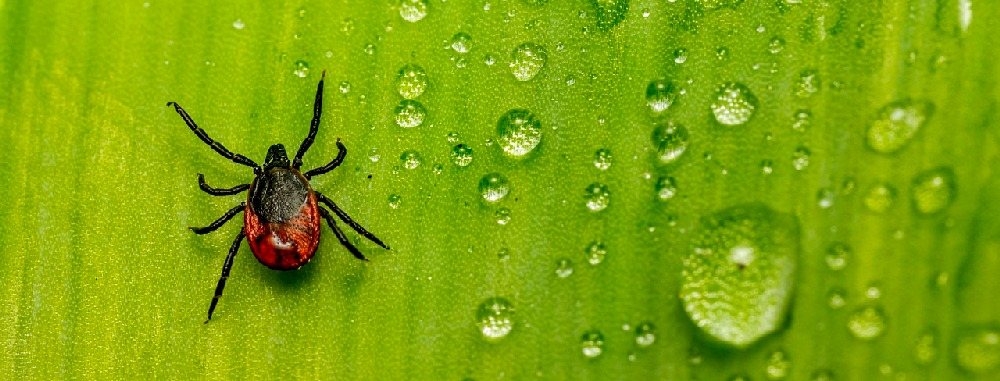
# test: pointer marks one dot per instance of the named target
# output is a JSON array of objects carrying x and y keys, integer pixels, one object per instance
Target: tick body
[{"x": 282, "y": 214}]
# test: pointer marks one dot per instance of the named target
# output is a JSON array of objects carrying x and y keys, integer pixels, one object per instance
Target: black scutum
[{"x": 278, "y": 194}]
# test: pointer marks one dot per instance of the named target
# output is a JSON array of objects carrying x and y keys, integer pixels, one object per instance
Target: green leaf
[{"x": 641, "y": 119}]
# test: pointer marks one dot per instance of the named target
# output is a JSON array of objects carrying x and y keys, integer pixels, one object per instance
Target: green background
[{"x": 100, "y": 278}]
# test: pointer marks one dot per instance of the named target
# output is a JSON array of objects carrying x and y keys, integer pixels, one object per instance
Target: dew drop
[
  {"x": 597, "y": 196},
  {"x": 800, "y": 158},
  {"x": 460, "y": 42},
  {"x": 734, "y": 104},
  {"x": 737, "y": 279},
  {"x": 803, "y": 119},
  {"x": 808, "y": 84},
  {"x": 518, "y": 132},
  {"x": 867, "y": 323},
  {"x": 410, "y": 113},
  {"x": 592, "y": 343},
  {"x": 670, "y": 141},
  {"x": 602, "y": 159},
  {"x": 413, "y": 10},
  {"x": 610, "y": 12},
  {"x": 836, "y": 256},
  {"x": 345, "y": 87},
  {"x": 527, "y": 60},
  {"x": 666, "y": 188},
  {"x": 660, "y": 95},
  {"x": 411, "y": 81},
  {"x": 495, "y": 318},
  {"x": 595, "y": 252},
  {"x": 925, "y": 350},
  {"x": 824, "y": 198},
  {"x": 821, "y": 375},
  {"x": 896, "y": 124},
  {"x": 880, "y": 197},
  {"x": 778, "y": 365},
  {"x": 502, "y": 216},
  {"x": 493, "y": 187},
  {"x": 394, "y": 200},
  {"x": 461, "y": 155},
  {"x": 645, "y": 334},
  {"x": 978, "y": 350},
  {"x": 238, "y": 24},
  {"x": 564, "y": 268},
  {"x": 933, "y": 190},
  {"x": 301, "y": 69},
  {"x": 836, "y": 298},
  {"x": 766, "y": 167},
  {"x": 411, "y": 159}
]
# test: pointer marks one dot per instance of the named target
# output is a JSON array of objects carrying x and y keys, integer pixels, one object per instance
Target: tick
[{"x": 281, "y": 216}]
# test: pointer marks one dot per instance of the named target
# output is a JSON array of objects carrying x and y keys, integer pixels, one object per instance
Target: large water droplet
[
  {"x": 734, "y": 104},
  {"x": 411, "y": 81},
  {"x": 660, "y": 95},
  {"x": 413, "y": 10},
  {"x": 597, "y": 196},
  {"x": 738, "y": 277},
  {"x": 494, "y": 187},
  {"x": 527, "y": 60},
  {"x": 933, "y": 190},
  {"x": 592, "y": 343},
  {"x": 880, "y": 197},
  {"x": 461, "y": 155},
  {"x": 978, "y": 350},
  {"x": 610, "y": 12},
  {"x": 518, "y": 132},
  {"x": 410, "y": 113},
  {"x": 670, "y": 140},
  {"x": 495, "y": 318},
  {"x": 867, "y": 323},
  {"x": 897, "y": 123}
]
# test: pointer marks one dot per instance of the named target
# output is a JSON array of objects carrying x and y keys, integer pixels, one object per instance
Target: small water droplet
[
  {"x": 460, "y": 42},
  {"x": 503, "y": 255},
  {"x": 978, "y": 350},
  {"x": 602, "y": 159},
  {"x": 413, "y": 10},
  {"x": 680, "y": 55},
  {"x": 301, "y": 69},
  {"x": 527, "y": 60},
  {"x": 495, "y": 318},
  {"x": 592, "y": 343},
  {"x": 776, "y": 45},
  {"x": 671, "y": 141},
  {"x": 925, "y": 350},
  {"x": 369, "y": 49},
  {"x": 803, "y": 119},
  {"x": 410, "y": 113},
  {"x": 461, "y": 155},
  {"x": 734, "y": 104},
  {"x": 666, "y": 188},
  {"x": 897, "y": 123},
  {"x": 493, "y": 187},
  {"x": 502, "y": 216},
  {"x": 825, "y": 198},
  {"x": 867, "y": 323},
  {"x": 597, "y": 196},
  {"x": 800, "y": 158},
  {"x": 880, "y": 197},
  {"x": 238, "y": 24},
  {"x": 933, "y": 190},
  {"x": 836, "y": 298},
  {"x": 564, "y": 268},
  {"x": 821, "y": 374},
  {"x": 778, "y": 365},
  {"x": 411, "y": 159},
  {"x": 645, "y": 334},
  {"x": 411, "y": 81},
  {"x": 345, "y": 87},
  {"x": 660, "y": 94},
  {"x": 394, "y": 200},
  {"x": 808, "y": 84},
  {"x": 836, "y": 256},
  {"x": 595, "y": 252},
  {"x": 518, "y": 132}
]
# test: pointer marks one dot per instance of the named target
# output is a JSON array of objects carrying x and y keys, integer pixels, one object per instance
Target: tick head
[{"x": 276, "y": 157}]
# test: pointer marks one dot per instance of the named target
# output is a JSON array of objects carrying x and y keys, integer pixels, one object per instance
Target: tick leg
[
  {"x": 218, "y": 147},
  {"x": 340, "y": 235},
  {"x": 350, "y": 222},
  {"x": 341, "y": 154},
  {"x": 314, "y": 126},
  {"x": 222, "y": 220},
  {"x": 220, "y": 191},
  {"x": 228, "y": 265}
]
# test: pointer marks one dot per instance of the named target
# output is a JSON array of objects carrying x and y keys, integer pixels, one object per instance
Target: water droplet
[
  {"x": 411, "y": 159},
  {"x": 595, "y": 252},
  {"x": 933, "y": 190},
  {"x": 778, "y": 365},
  {"x": 602, "y": 159},
  {"x": 494, "y": 187},
  {"x": 598, "y": 197},
  {"x": 808, "y": 83},
  {"x": 345, "y": 87},
  {"x": 413, "y": 10},
  {"x": 776, "y": 45},
  {"x": 739, "y": 377},
  {"x": 592, "y": 343},
  {"x": 800, "y": 158},
  {"x": 737, "y": 280},
  {"x": 461, "y": 155},
  {"x": 867, "y": 323},
  {"x": 460, "y": 42},
  {"x": 301, "y": 69},
  {"x": 527, "y": 60},
  {"x": 502, "y": 216},
  {"x": 821, "y": 375},
  {"x": 495, "y": 318},
  {"x": 519, "y": 132},
  {"x": 610, "y": 12},
  {"x": 670, "y": 141},
  {"x": 734, "y": 104},
  {"x": 238, "y": 24},
  {"x": 978, "y": 350},
  {"x": 645, "y": 334},
  {"x": 836, "y": 256},
  {"x": 897, "y": 123},
  {"x": 394, "y": 200},
  {"x": 766, "y": 167},
  {"x": 824, "y": 198},
  {"x": 564, "y": 268},
  {"x": 503, "y": 254},
  {"x": 369, "y": 49},
  {"x": 411, "y": 81},
  {"x": 666, "y": 188},
  {"x": 803, "y": 119},
  {"x": 660, "y": 94},
  {"x": 880, "y": 197},
  {"x": 925, "y": 351},
  {"x": 836, "y": 298},
  {"x": 410, "y": 113},
  {"x": 680, "y": 56}
]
